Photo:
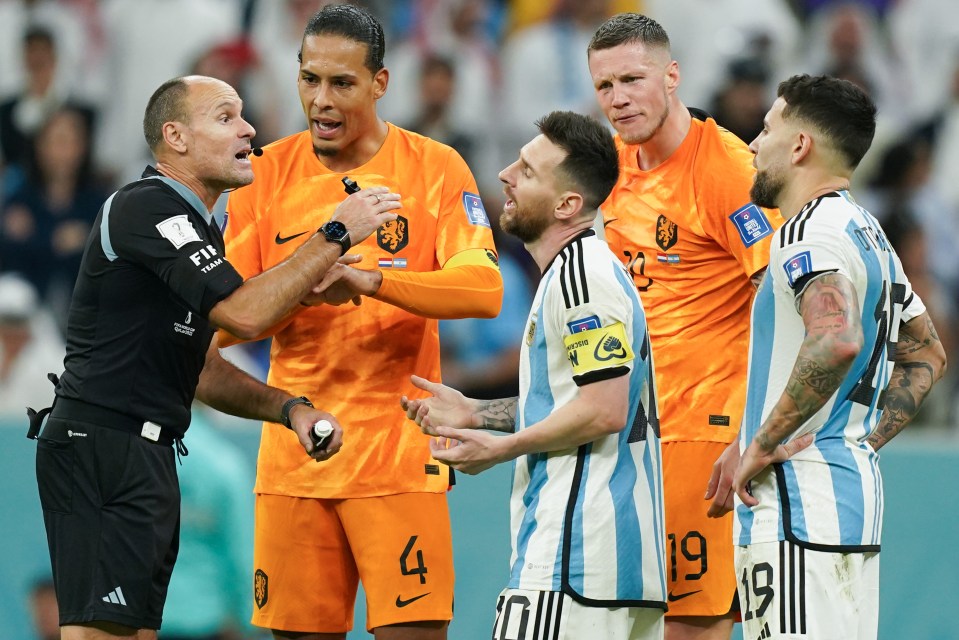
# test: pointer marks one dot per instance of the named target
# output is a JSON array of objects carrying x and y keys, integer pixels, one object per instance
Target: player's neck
[
  {"x": 207, "y": 194},
  {"x": 667, "y": 139},
  {"x": 793, "y": 200},
  {"x": 545, "y": 248}
]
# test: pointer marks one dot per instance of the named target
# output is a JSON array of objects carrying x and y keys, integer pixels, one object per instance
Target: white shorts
[
  {"x": 552, "y": 615},
  {"x": 786, "y": 591}
]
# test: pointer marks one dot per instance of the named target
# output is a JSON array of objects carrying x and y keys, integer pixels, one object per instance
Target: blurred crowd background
[{"x": 75, "y": 76}]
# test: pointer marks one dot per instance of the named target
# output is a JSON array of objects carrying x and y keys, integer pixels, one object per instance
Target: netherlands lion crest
[
  {"x": 393, "y": 236},
  {"x": 261, "y": 591},
  {"x": 666, "y": 233}
]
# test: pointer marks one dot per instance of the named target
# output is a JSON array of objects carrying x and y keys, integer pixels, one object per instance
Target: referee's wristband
[{"x": 288, "y": 406}]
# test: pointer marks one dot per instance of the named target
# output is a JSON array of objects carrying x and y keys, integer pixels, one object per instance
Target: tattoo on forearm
[
  {"x": 909, "y": 343},
  {"x": 908, "y": 386},
  {"x": 810, "y": 375},
  {"x": 498, "y": 415}
]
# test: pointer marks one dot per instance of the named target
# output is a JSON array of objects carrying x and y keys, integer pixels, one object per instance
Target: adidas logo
[{"x": 116, "y": 597}]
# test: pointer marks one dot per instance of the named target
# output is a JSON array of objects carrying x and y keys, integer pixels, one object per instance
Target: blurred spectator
[
  {"x": 58, "y": 19},
  {"x": 276, "y": 29},
  {"x": 452, "y": 30},
  {"x": 434, "y": 120},
  {"x": 525, "y": 13},
  {"x": 30, "y": 347},
  {"x": 456, "y": 31},
  {"x": 946, "y": 153},
  {"x": 43, "y": 610},
  {"x": 922, "y": 229},
  {"x": 44, "y": 224},
  {"x": 741, "y": 103},
  {"x": 211, "y": 591},
  {"x": 846, "y": 40},
  {"x": 927, "y": 42},
  {"x": 24, "y": 113},
  {"x": 148, "y": 42},
  {"x": 481, "y": 357},
  {"x": 545, "y": 69},
  {"x": 707, "y": 35}
]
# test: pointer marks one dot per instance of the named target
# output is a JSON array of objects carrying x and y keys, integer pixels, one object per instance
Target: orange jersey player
[
  {"x": 681, "y": 220},
  {"x": 380, "y": 515}
]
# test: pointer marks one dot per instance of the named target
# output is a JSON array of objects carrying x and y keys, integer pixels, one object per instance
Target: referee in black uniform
[{"x": 153, "y": 286}]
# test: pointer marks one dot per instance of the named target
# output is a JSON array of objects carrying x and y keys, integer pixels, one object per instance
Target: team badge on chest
[
  {"x": 393, "y": 236},
  {"x": 666, "y": 233}
]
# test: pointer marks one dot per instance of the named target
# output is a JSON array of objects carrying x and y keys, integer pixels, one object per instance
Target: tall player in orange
[
  {"x": 378, "y": 511},
  {"x": 681, "y": 220}
]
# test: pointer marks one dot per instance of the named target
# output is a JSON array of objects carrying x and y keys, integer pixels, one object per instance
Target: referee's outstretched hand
[
  {"x": 303, "y": 417},
  {"x": 366, "y": 210}
]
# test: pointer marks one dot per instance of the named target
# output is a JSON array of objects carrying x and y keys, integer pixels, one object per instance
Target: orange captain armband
[{"x": 468, "y": 286}]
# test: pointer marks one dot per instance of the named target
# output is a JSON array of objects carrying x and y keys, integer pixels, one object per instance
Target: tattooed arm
[
  {"x": 920, "y": 362},
  {"x": 449, "y": 408},
  {"x": 830, "y": 312}
]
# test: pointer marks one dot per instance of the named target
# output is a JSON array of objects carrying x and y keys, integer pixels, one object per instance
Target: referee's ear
[{"x": 174, "y": 135}]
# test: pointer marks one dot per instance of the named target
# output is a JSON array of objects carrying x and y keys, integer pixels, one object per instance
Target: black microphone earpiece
[{"x": 257, "y": 151}]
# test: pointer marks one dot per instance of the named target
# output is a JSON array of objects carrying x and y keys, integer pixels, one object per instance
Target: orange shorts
[
  {"x": 309, "y": 553},
  {"x": 700, "y": 574}
]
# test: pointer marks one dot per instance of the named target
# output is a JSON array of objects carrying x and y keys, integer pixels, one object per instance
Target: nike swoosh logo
[
  {"x": 606, "y": 223},
  {"x": 672, "y": 598},
  {"x": 281, "y": 240},
  {"x": 402, "y": 603}
]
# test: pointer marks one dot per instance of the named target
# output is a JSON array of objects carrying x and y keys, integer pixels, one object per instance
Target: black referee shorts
[{"x": 111, "y": 506}]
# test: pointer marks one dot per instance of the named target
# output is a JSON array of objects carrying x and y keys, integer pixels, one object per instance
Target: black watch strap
[{"x": 288, "y": 406}]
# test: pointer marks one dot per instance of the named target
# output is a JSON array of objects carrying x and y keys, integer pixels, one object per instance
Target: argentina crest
[
  {"x": 393, "y": 236},
  {"x": 666, "y": 233}
]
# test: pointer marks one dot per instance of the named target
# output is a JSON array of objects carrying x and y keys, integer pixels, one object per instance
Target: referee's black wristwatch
[
  {"x": 288, "y": 406},
  {"x": 335, "y": 231}
]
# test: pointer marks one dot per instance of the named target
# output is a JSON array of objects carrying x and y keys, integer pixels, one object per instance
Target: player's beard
[
  {"x": 767, "y": 187},
  {"x": 326, "y": 152},
  {"x": 524, "y": 223},
  {"x": 645, "y": 135}
]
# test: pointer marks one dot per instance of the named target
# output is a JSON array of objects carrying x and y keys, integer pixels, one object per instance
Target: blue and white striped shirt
[
  {"x": 829, "y": 495},
  {"x": 589, "y": 521}
]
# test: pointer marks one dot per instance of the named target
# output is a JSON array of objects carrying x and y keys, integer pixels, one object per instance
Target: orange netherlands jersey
[
  {"x": 355, "y": 361},
  {"x": 691, "y": 240}
]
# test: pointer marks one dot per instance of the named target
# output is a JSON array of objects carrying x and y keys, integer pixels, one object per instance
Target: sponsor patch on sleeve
[
  {"x": 475, "y": 211},
  {"x": 596, "y": 349},
  {"x": 752, "y": 224},
  {"x": 583, "y": 324},
  {"x": 178, "y": 231},
  {"x": 797, "y": 267}
]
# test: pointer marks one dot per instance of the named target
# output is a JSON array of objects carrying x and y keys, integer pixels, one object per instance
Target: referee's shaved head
[{"x": 168, "y": 103}]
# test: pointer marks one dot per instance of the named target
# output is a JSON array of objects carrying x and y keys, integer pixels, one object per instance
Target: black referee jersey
[{"x": 137, "y": 333}]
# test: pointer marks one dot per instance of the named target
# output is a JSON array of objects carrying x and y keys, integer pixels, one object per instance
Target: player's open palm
[{"x": 445, "y": 406}]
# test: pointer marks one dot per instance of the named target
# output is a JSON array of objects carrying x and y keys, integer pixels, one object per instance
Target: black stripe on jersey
[
  {"x": 802, "y": 591},
  {"x": 558, "y": 618},
  {"x": 570, "y": 272},
  {"x": 547, "y": 617},
  {"x": 797, "y": 225},
  {"x": 539, "y": 614},
  {"x": 782, "y": 586},
  {"x": 562, "y": 280},
  {"x": 572, "y": 275},
  {"x": 792, "y": 589},
  {"x": 582, "y": 271}
]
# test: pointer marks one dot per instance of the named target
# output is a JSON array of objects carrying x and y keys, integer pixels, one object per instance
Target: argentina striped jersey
[
  {"x": 828, "y": 496},
  {"x": 589, "y": 521}
]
